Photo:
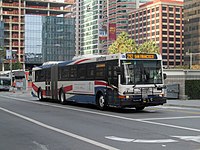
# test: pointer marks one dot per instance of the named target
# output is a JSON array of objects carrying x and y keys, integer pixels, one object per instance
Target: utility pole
[
  {"x": 190, "y": 60},
  {"x": 10, "y": 47}
]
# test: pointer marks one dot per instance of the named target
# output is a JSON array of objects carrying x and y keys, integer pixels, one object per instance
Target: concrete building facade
[
  {"x": 13, "y": 12},
  {"x": 192, "y": 32},
  {"x": 160, "y": 21}
]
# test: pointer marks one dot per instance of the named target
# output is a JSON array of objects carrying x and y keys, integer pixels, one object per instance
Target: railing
[{"x": 12, "y": 4}]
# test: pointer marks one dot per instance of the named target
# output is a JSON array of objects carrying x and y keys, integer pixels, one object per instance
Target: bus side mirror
[
  {"x": 118, "y": 70},
  {"x": 165, "y": 76}
]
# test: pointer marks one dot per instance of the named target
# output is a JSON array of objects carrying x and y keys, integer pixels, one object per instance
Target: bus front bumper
[{"x": 143, "y": 102}]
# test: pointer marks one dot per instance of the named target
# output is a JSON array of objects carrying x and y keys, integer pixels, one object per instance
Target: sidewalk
[{"x": 184, "y": 103}]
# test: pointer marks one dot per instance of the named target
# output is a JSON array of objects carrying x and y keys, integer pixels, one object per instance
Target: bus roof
[
  {"x": 99, "y": 58},
  {"x": 4, "y": 77}
]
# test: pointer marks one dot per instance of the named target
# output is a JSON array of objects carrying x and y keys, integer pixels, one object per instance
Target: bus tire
[
  {"x": 101, "y": 101},
  {"x": 139, "y": 108},
  {"x": 40, "y": 96},
  {"x": 62, "y": 97}
]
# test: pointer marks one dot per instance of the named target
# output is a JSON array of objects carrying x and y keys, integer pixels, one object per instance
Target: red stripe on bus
[
  {"x": 35, "y": 88},
  {"x": 68, "y": 88},
  {"x": 100, "y": 83},
  {"x": 78, "y": 62}
]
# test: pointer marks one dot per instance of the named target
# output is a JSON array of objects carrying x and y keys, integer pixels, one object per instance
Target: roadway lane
[{"x": 53, "y": 126}]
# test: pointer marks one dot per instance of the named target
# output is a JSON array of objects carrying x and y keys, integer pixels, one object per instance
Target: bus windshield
[{"x": 141, "y": 72}]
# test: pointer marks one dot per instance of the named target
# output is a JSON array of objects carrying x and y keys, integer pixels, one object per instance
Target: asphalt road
[{"x": 27, "y": 124}]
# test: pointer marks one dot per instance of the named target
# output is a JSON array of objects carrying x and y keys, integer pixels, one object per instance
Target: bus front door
[{"x": 54, "y": 82}]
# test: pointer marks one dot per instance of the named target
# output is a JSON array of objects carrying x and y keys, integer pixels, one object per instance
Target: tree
[
  {"x": 16, "y": 65},
  {"x": 122, "y": 44},
  {"x": 2, "y": 53},
  {"x": 125, "y": 44},
  {"x": 149, "y": 47}
]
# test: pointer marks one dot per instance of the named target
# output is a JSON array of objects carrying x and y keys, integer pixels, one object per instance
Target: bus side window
[
  {"x": 100, "y": 71},
  {"x": 42, "y": 75},
  {"x": 81, "y": 71},
  {"x": 64, "y": 73},
  {"x": 90, "y": 71},
  {"x": 73, "y": 72},
  {"x": 48, "y": 74}
]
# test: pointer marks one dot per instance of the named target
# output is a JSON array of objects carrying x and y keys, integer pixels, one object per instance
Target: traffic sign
[{"x": 8, "y": 54}]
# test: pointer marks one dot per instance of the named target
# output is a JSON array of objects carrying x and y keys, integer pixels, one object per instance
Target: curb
[{"x": 186, "y": 106}]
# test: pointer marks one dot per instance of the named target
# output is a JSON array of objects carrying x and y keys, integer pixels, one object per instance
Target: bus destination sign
[{"x": 140, "y": 56}]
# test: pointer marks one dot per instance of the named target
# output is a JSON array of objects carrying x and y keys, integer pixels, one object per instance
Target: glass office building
[
  {"x": 49, "y": 38},
  {"x": 1, "y": 35}
]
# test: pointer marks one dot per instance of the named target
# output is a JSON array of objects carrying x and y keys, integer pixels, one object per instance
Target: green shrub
[{"x": 192, "y": 89}]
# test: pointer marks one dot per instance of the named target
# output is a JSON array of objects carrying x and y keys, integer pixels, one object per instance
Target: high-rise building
[
  {"x": 49, "y": 38},
  {"x": 160, "y": 21},
  {"x": 99, "y": 22},
  {"x": 192, "y": 31},
  {"x": 88, "y": 16},
  {"x": 115, "y": 20},
  {"x": 13, "y": 14},
  {"x": 1, "y": 35}
]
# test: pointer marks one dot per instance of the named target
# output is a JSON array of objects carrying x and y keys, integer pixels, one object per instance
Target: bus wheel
[
  {"x": 101, "y": 102},
  {"x": 62, "y": 97},
  {"x": 139, "y": 108},
  {"x": 40, "y": 96}
]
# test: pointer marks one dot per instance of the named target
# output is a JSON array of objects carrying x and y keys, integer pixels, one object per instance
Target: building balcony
[
  {"x": 12, "y": 5},
  {"x": 37, "y": 7},
  {"x": 13, "y": 13}
]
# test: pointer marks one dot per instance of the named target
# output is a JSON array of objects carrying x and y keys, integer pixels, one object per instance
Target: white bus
[
  {"x": 117, "y": 80},
  {"x": 5, "y": 83}
]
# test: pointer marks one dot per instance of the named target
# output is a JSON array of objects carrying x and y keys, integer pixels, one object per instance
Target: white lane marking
[
  {"x": 107, "y": 115},
  {"x": 119, "y": 139},
  {"x": 60, "y": 131},
  {"x": 155, "y": 141},
  {"x": 40, "y": 146},
  {"x": 171, "y": 126},
  {"x": 177, "y": 107},
  {"x": 140, "y": 140},
  {"x": 189, "y": 138},
  {"x": 171, "y": 118}
]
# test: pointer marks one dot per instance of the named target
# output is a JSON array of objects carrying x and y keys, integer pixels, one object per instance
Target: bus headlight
[{"x": 161, "y": 94}]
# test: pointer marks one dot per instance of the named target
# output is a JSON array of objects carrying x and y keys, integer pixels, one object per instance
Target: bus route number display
[{"x": 140, "y": 56}]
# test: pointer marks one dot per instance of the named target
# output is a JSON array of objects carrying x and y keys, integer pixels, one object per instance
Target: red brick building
[{"x": 162, "y": 22}]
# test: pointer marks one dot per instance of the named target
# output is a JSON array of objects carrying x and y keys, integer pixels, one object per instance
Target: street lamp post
[
  {"x": 190, "y": 60},
  {"x": 10, "y": 47}
]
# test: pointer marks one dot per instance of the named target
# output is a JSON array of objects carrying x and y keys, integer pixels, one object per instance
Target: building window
[
  {"x": 171, "y": 45},
  {"x": 171, "y": 9},
  {"x": 164, "y": 14},
  {"x": 177, "y": 9},
  {"x": 171, "y": 15},
  {"x": 164, "y": 8},
  {"x": 177, "y": 15},
  {"x": 164, "y": 20},
  {"x": 164, "y": 57}
]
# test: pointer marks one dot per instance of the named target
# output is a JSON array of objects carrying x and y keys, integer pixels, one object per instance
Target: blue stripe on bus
[{"x": 84, "y": 99}]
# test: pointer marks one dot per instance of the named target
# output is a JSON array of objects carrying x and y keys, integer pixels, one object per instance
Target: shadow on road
[{"x": 90, "y": 106}]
